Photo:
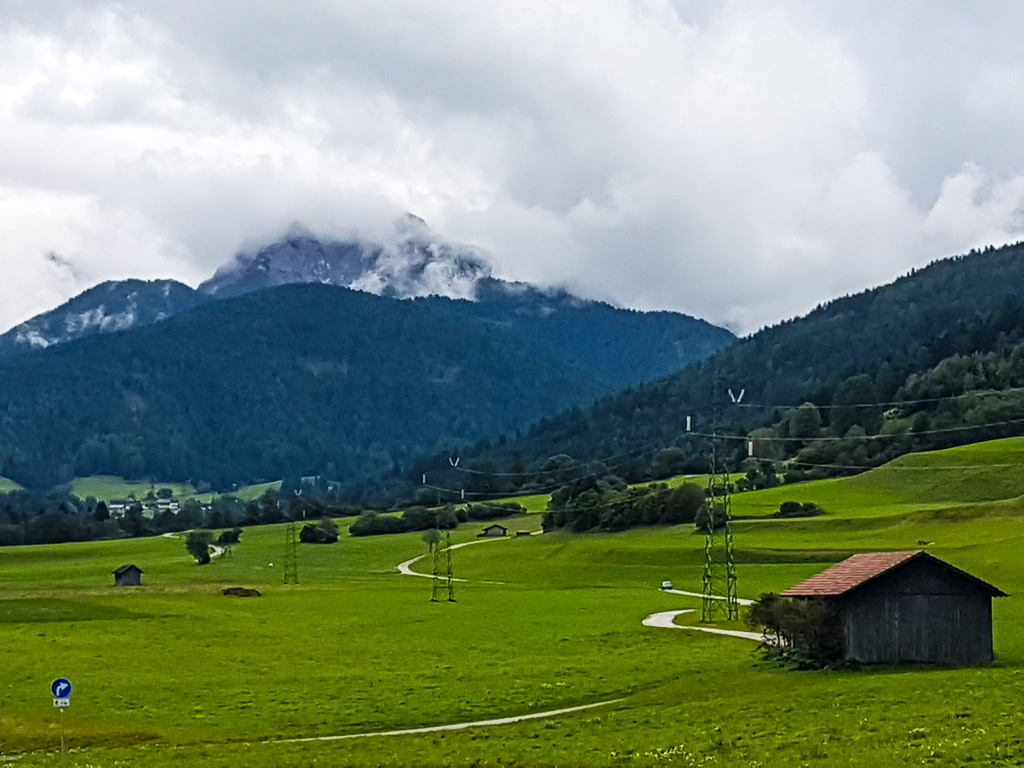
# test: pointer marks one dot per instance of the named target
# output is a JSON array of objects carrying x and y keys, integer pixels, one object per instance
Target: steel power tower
[
  {"x": 435, "y": 574},
  {"x": 719, "y": 503},
  {"x": 291, "y": 554},
  {"x": 449, "y": 575}
]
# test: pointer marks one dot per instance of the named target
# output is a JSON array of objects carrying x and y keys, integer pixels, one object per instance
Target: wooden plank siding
[{"x": 921, "y": 612}]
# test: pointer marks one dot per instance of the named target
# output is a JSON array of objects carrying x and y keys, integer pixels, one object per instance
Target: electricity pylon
[
  {"x": 291, "y": 554},
  {"x": 719, "y": 501}
]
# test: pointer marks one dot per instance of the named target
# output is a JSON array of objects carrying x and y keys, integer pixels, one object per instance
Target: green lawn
[
  {"x": 7, "y": 485},
  {"x": 107, "y": 487},
  {"x": 174, "y": 673}
]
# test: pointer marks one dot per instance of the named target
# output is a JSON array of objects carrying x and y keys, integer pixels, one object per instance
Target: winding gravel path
[
  {"x": 406, "y": 567},
  {"x": 453, "y": 726},
  {"x": 666, "y": 620},
  {"x": 740, "y": 600}
]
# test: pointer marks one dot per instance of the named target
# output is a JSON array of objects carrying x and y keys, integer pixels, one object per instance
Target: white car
[{"x": 666, "y": 585}]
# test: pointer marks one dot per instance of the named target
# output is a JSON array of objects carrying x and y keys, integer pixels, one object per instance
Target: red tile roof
[
  {"x": 855, "y": 571},
  {"x": 850, "y": 573}
]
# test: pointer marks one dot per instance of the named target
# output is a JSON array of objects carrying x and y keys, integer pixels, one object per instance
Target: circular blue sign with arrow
[{"x": 60, "y": 688}]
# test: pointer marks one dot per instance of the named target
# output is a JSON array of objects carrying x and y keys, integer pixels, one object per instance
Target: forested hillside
[
  {"x": 305, "y": 379},
  {"x": 878, "y": 345},
  {"x": 621, "y": 346},
  {"x": 293, "y": 380}
]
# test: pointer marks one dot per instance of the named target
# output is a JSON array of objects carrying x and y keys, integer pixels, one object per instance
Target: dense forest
[
  {"x": 951, "y": 330},
  {"x": 312, "y": 379}
]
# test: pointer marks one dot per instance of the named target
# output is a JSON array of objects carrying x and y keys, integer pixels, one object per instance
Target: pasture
[
  {"x": 175, "y": 673},
  {"x": 107, "y": 487}
]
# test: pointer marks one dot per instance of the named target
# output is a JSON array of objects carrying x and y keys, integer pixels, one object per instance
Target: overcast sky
[{"x": 740, "y": 161}]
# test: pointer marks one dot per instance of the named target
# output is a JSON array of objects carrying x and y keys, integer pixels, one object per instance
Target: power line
[
  {"x": 635, "y": 453},
  {"x": 884, "y": 404},
  {"x": 539, "y": 489},
  {"x": 881, "y": 436},
  {"x": 933, "y": 468}
]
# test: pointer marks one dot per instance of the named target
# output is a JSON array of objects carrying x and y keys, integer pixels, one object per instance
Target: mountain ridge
[
  {"x": 301, "y": 378},
  {"x": 414, "y": 262}
]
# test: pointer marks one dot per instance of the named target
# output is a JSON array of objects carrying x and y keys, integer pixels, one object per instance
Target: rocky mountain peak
[{"x": 413, "y": 261}]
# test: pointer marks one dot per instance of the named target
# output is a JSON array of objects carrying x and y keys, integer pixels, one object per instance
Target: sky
[{"x": 738, "y": 161}]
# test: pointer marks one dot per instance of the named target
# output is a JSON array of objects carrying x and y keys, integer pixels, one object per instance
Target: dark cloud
[{"x": 740, "y": 161}]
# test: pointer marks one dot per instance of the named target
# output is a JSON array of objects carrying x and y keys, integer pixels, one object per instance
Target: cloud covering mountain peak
[{"x": 411, "y": 260}]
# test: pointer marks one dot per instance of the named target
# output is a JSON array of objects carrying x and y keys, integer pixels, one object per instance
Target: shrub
[
  {"x": 801, "y": 633},
  {"x": 229, "y": 537},
  {"x": 324, "y": 531},
  {"x": 711, "y": 516},
  {"x": 796, "y": 509},
  {"x": 198, "y": 545}
]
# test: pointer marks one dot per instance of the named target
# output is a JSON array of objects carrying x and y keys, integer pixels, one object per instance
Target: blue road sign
[{"x": 60, "y": 688}]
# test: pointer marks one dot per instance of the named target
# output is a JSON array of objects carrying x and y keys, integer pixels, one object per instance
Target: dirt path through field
[
  {"x": 666, "y": 620},
  {"x": 453, "y": 726},
  {"x": 406, "y": 567},
  {"x": 739, "y": 600},
  {"x": 218, "y": 550}
]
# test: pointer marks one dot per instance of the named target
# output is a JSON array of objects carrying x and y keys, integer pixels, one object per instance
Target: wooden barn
[
  {"x": 493, "y": 530},
  {"x": 895, "y": 607},
  {"x": 128, "y": 576}
]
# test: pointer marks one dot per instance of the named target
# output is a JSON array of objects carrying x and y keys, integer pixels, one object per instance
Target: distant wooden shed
[
  {"x": 128, "y": 576},
  {"x": 494, "y": 530},
  {"x": 897, "y": 607}
]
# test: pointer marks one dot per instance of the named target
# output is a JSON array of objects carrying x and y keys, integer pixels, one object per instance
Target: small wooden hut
[
  {"x": 897, "y": 607},
  {"x": 128, "y": 576},
  {"x": 493, "y": 530}
]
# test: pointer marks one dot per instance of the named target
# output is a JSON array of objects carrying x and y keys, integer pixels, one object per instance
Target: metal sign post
[{"x": 61, "y": 690}]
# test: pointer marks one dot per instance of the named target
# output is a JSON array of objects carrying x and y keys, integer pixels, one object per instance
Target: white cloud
[{"x": 740, "y": 161}]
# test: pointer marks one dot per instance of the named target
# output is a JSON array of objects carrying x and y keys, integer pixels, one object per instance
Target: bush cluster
[
  {"x": 796, "y": 509},
  {"x": 805, "y": 634},
  {"x": 371, "y": 522},
  {"x": 608, "y": 505}
]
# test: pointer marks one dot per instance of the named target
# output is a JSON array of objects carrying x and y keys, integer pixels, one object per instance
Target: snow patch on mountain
[
  {"x": 412, "y": 261},
  {"x": 105, "y": 308}
]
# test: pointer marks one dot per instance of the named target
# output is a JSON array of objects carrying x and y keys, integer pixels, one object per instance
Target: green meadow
[
  {"x": 107, "y": 487},
  {"x": 174, "y": 673}
]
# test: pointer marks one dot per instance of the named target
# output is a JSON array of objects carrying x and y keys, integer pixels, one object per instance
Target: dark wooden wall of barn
[{"x": 922, "y": 612}]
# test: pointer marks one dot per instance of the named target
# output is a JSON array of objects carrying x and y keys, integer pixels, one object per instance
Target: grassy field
[
  {"x": 7, "y": 485},
  {"x": 107, "y": 487},
  {"x": 174, "y": 673}
]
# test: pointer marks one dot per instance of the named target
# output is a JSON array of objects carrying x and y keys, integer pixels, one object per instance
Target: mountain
[
  {"x": 885, "y": 334},
  {"x": 620, "y": 346},
  {"x": 287, "y": 380},
  {"x": 105, "y": 308},
  {"x": 414, "y": 262}
]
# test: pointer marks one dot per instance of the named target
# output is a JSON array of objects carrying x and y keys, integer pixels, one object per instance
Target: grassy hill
[
  {"x": 542, "y": 623},
  {"x": 987, "y": 471},
  {"x": 890, "y": 335},
  {"x": 107, "y": 487}
]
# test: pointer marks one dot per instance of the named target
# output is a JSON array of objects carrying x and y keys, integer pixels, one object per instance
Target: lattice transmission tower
[
  {"x": 449, "y": 574},
  {"x": 718, "y": 584},
  {"x": 435, "y": 573},
  {"x": 291, "y": 554}
]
